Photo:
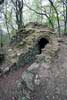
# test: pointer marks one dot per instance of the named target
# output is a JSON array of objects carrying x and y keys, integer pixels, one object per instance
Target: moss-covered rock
[
  {"x": 25, "y": 50},
  {"x": 28, "y": 57}
]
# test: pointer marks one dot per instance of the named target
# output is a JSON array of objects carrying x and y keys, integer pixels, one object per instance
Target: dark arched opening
[
  {"x": 42, "y": 43},
  {"x": 2, "y": 58}
]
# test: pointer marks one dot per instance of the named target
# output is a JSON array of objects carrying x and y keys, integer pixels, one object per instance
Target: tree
[
  {"x": 51, "y": 2},
  {"x": 1, "y": 1},
  {"x": 65, "y": 18},
  {"x": 18, "y": 4},
  {"x": 41, "y": 14},
  {"x": 6, "y": 20}
]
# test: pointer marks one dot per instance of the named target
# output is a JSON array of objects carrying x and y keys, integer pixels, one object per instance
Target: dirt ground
[
  {"x": 8, "y": 84},
  {"x": 59, "y": 77}
]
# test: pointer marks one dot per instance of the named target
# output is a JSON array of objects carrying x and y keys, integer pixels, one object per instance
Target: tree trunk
[
  {"x": 66, "y": 20},
  {"x": 19, "y": 13},
  {"x": 57, "y": 16}
]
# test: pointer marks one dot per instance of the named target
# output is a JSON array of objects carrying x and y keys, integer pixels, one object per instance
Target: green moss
[{"x": 29, "y": 57}]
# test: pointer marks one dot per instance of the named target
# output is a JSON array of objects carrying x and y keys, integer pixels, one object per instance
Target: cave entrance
[
  {"x": 2, "y": 58},
  {"x": 42, "y": 43}
]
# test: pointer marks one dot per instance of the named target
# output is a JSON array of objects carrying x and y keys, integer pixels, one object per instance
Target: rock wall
[
  {"x": 30, "y": 45},
  {"x": 36, "y": 82},
  {"x": 25, "y": 51}
]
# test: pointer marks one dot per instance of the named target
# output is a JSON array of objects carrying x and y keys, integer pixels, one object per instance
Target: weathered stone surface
[
  {"x": 38, "y": 78},
  {"x": 60, "y": 40},
  {"x": 46, "y": 82},
  {"x": 31, "y": 80},
  {"x": 37, "y": 81},
  {"x": 25, "y": 50}
]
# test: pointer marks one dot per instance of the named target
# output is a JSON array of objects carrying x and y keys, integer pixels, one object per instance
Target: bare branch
[
  {"x": 14, "y": 3},
  {"x": 40, "y": 14}
]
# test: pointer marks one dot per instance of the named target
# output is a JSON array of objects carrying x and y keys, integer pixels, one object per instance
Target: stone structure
[
  {"x": 35, "y": 83},
  {"x": 35, "y": 43},
  {"x": 35, "y": 39}
]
